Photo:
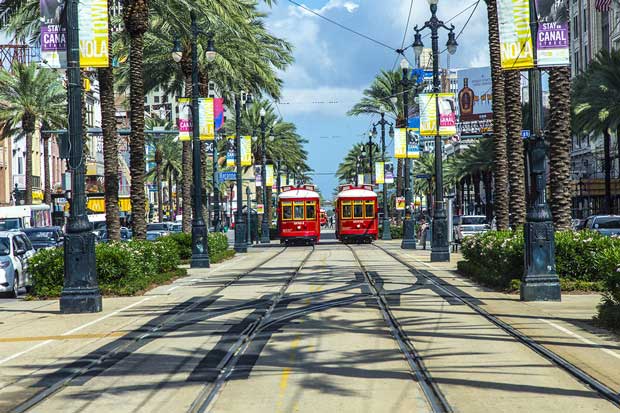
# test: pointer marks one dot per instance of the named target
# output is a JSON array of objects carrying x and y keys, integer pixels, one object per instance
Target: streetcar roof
[
  {"x": 298, "y": 193},
  {"x": 356, "y": 193}
]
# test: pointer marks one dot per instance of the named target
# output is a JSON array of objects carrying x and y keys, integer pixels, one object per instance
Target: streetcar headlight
[
  {"x": 358, "y": 226},
  {"x": 298, "y": 227}
]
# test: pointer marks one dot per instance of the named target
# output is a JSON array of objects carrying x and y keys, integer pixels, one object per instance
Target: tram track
[
  {"x": 583, "y": 377},
  {"x": 227, "y": 364},
  {"x": 125, "y": 347},
  {"x": 423, "y": 377}
]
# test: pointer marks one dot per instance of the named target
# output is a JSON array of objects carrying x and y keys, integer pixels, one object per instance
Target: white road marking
[
  {"x": 173, "y": 288},
  {"x": 67, "y": 333},
  {"x": 580, "y": 338}
]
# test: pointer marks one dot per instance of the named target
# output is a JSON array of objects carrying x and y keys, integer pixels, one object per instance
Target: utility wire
[
  {"x": 341, "y": 25},
  {"x": 407, "y": 25}
]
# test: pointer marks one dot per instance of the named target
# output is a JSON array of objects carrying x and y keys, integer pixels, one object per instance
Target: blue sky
[{"x": 332, "y": 66}]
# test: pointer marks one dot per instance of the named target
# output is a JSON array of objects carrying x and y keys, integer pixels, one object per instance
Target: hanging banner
[
  {"x": 400, "y": 143},
  {"x": 185, "y": 121},
  {"x": 360, "y": 179},
  {"x": 260, "y": 209},
  {"x": 231, "y": 152},
  {"x": 218, "y": 113},
  {"x": 206, "y": 119},
  {"x": 389, "y": 173},
  {"x": 93, "y": 24},
  {"x": 400, "y": 203},
  {"x": 428, "y": 114},
  {"x": 269, "y": 172},
  {"x": 53, "y": 34},
  {"x": 552, "y": 42},
  {"x": 258, "y": 178},
  {"x": 246, "y": 151},
  {"x": 515, "y": 35},
  {"x": 379, "y": 172}
]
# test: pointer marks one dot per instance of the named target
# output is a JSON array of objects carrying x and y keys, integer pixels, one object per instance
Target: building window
[
  {"x": 164, "y": 99},
  {"x": 156, "y": 99},
  {"x": 576, "y": 61},
  {"x": 146, "y": 99},
  {"x": 585, "y": 57},
  {"x": 585, "y": 20},
  {"x": 575, "y": 27},
  {"x": 20, "y": 165}
]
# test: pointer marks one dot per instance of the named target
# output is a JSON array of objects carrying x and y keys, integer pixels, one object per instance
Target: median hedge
[
  {"x": 126, "y": 268},
  {"x": 585, "y": 260}
]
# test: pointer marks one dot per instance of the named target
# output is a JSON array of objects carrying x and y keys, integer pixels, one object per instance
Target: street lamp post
[
  {"x": 409, "y": 240},
  {"x": 216, "y": 190},
  {"x": 386, "y": 234},
  {"x": 264, "y": 238},
  {"x": 200, "y": 243},
  {"x": 248, "y": 193},
  {"x": 540, "y": 280},
  {"x": 241, "y": 245},
  {"x": 440, "y": 251},
  {"x": 372, "y": 165},
  {"x": 80, "y": 292}
]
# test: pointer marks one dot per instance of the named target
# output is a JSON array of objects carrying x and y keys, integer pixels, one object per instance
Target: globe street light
[
  {"x": 200, "y": 241},
  {"x": 440, "y": 250},
  {"x": 386, "y": 233}
]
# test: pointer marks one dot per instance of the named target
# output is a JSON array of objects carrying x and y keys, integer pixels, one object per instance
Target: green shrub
[
  {"x": 184, "y": 242},
  {"x": 47, "y": 269},
  {"x": 395, "y": 230}
]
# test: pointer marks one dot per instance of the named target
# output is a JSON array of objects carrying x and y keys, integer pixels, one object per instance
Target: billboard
[
  {"x": 428, "y": 114},
  {"x": 475, "y": 101}
]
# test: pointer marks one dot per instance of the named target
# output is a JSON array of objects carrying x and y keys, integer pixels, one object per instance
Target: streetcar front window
[
  {"x": 287, "y": 212},
  {"x": 370, "y": 209},
  {"x": 346, "y": 210},
  {"x": 299, "y": 211},
  {"x": 310, "y": 210},
  {"x": 358, "y": 210}
]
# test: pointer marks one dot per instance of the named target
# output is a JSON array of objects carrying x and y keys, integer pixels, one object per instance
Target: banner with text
[
  {"x": 406, "y": 144},
  {"x": 218, "y": 113},
  {"x": 389, "y": 173},
  {"x": 185, "y": 120},
  {"x": 246, "y": 150},
  {"x": 475, "y": 101},
  {"x": 206, "y": 119},
  {"x": 515, "y": 35},
  {"x": 552, "y": 44},
  {"x": 269, "y": 176},
  {"x": 428, "y": 114},
  {"x": 258, "y": 178},
  {"x": 231, "y": 151},
  {"x": 379, "y": 172}
]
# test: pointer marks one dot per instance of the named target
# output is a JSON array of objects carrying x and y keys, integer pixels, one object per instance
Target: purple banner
[
  {"x": 53, "y": 39},
  {"x": 53, "y": 33},
  {"x": 552, "y": 40}
]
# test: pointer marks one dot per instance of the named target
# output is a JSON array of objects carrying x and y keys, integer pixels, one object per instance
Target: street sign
[
  {"x": 525, "y": 134},
  {"x": 227, "y": 176},
  {"x": 423, "y": 176}
]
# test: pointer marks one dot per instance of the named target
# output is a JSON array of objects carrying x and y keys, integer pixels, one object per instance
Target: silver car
[
  {"x": 15, "y": 251},
  {"x": 604, "y": 224}
]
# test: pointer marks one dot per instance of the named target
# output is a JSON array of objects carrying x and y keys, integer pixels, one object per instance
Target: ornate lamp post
[
  {"x": 240, "y": 225},
  {"x": 216, "y": 190},
  {"x": 440, "y": 250},
  {"x": 80, "y": 292},
  {"x": 200, "y": 243},
  {"x": 264, "y": 238},
  {"x": 386, "y": 234},
  {"x": 372, "y": 165}
]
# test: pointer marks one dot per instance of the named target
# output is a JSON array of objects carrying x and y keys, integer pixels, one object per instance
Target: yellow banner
[
  {"x": 428, "y": 114},
  {"x": 260, "y": 209},
  {"x": 207, "y": 120},
  {"x": 379, "y": 172},
  {"x": 400, "y": 143},
  {"x": 269, "y": 176},
  {"x": 246, "y": 150},
  {"x": 94, "y": 42},
  {"x": 515, "y": 35}
]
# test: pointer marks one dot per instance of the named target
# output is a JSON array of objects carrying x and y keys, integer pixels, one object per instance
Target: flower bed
[
  {"x": 127, "y": 268},
  {"x": 585, "y": 261}
]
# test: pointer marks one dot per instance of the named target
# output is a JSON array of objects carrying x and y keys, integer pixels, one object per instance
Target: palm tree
[
  {"x": 350, "y": 166},
  {"x": 29, "y": 96},
  {"x": 501, "y": 205},
  {"x": 158, "y": 145},
  {"x": 516, "y": 166},
  {"x": 560, "y": 198},
  {"x": 595, "y": 105}
]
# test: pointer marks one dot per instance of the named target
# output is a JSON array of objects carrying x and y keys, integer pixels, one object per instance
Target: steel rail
[
  {"x": 227, "y": 365},
  {"x": 60, "y": 384},
  {"x": 600, "y": 388},
  {"x": 423, "y": 377}
]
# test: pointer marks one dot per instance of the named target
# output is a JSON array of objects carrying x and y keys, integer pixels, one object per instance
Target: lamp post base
[
  {"x": 409, "y": 242},
  {"x": 200, "y": 261},
  {"x": 440, "y": 255},
  {"x": 264, "y": 236},
  {"x": 541, "y": 289},
  {"x": 386, "y": 234},
  {"x": 80, "y": 300},
  {"x": 241, "y": 246}
]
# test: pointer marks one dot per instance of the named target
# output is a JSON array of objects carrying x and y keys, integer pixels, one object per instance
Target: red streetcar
[
  {"x": 356, "y": 208},
  {"x": 323, "y": 218},
  {"x": 298, "y": 215}
]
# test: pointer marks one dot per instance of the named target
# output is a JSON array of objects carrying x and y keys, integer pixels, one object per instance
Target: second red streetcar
[{"x": 356, "y": 214}]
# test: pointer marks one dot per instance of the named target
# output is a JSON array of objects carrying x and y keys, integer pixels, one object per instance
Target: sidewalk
[{"x": 564, "y": 327}]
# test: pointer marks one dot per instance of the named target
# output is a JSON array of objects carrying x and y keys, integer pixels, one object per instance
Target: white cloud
[{"x": 349, "y": 6}]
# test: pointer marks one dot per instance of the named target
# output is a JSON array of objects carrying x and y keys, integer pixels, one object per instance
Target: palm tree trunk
[
  {"x": 28, "y": 178},
  {"x": 47, "y": 186},
  {"x": 136, "y": 17},
  {"x": 516, "y": 166},
  {"x": 160, "y": 195},
  {"x": 607, "y": 167},
  {"x": 499, "y": 121},
  {"x": 110, "y": 146},
  {"x": 560, "y": 145},
  {"x": 186, "y": 170}
]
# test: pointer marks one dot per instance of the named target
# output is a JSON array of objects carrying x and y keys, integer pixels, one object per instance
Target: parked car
[
  {"x": 468, "y": 225},
  {"x": 16, "y": 248},
  {"x": 126, "y": 235},
  {"x": 163, "y": 228},
  {"x": 176, "y": 227},
  {"x": 45, "y": 237},
  {"x": 604, "y": 224},
  {"x": 153, "y": 235}
]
